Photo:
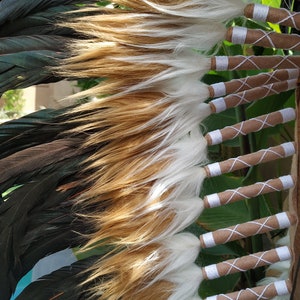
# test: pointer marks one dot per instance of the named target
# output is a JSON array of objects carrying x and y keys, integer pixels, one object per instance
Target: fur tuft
[
  {"x": 187, "y": 282},
  {"x": 144, "y": 268},
  {"x": 218, "y": 10}
]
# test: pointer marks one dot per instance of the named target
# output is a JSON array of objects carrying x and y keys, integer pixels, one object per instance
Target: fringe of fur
[
  {"x": 145, "y": 171},
  {"x": 214, "y": 10},
  {"x": 118, "y": 40},
  {"x": 163, "y": 269}
]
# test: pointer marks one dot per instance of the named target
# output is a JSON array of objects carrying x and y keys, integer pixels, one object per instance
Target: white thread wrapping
[
  {"x": 214, "y": 169},
  {"x": 283, "y": 253},
  {"x": 212, "y": 298},
  {"x": 213, "y": 200},
  {"x": 281, "y": 288},
  {"x": 289, "y": 149},
  {"x": 288, "y": 114},
  {"x": 219, "y": 89},
  {"x": 209, "y": 240},
  {"x": 292, "y": 83},
  {"x": 293, "y": 73},
  {"x": 239, "y": 35},
  {"x": 287, "y": 182},
  {"x": 211, "y": 272},
  {"x": 216, "y": 137},
  {"x": 221, "y": 63},
  {"x": 219, "y": 104},
  {"x": 283, "y": 220},
  {"x": 260, "y": 12}
]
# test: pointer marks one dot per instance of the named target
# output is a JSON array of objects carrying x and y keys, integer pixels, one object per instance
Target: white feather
[
  {"x": 186, "y": 182},
  {"x": 185, "y": 153},
  {"x": 177, "y": 121},
  {"x": 186, "y": 211},
  {"x": 212, "y": 10},
  {"x": 178, "y": 65},
  {"x": 174, "y": 122},
  {"x": 181, "y": 249},
  {"x": 187, "y": 281},
  {"x": 188, "y": 35},
  {"x": 186, "y": 87}
]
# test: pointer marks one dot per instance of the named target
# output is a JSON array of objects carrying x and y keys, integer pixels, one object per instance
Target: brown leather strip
[
  {"x": 240, "y": 231},
  {"x": 250, "y": 82},
  {"x": 245, "y": 263},
  {"x": 241, "y": 62},
  {"x": 269, "y": 291},
  {"x": 248, "y": 126},
  {"x": 248, "y": 160},
  {"x": 247, "y": 192},
  {"x": 220, "y": 104},
  {"x": 266, "y": 39},
  {"x": 277, "y": 16}
]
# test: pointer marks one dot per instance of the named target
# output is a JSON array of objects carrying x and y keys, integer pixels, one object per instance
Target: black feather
[
  {"x": 37, "y": 128},
  {"x": 63, "y": 284},
  {"x": 23, "y": 69},
  {"x": 28, "y": 43},
  {"x": 36, "y": 220},
  {"x": 11, "y": 10},
  {"x": 42, "y": 23}
]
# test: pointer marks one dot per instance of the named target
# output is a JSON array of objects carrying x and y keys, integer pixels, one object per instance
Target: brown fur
[
  {"x": 103, "y": 62},
  {"x": 112, "y": 36},
  {"x": 120, "y": 132},
  {"x": 127, "y": 274},
  {"x": 119, "y": 181},
  {"x": 141, "y": 6}
]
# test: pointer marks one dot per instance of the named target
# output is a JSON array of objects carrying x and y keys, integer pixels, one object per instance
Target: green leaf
[
  {"x": 222, "y": 285},
  {"x": 273, "y": 3},
  {"x": 216, "y": 121},
  {"x": 224, "y": 216},
  {"x": 220, "y": 183}
]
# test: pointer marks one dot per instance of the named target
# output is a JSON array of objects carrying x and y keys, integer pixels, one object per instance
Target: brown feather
[{"x": 37, "y": 157}]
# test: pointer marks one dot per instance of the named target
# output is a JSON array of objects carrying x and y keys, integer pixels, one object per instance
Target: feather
[
  {"x": 213, "y": 10},
  {"x": 11, "y": 10},
  {"x": 136, "y": 171},
  {"x": 29, "y": 131},
  {"x": 151, "y": 272},
  {"x": 31, "y": 220},
  {"x": 28, "y": 43},
  {"x": 22, "y": 69},
  {"x": 63, "y": 284},
  {"x": 42, "y": 23},
  {"x": 31, "y": 41},
  {"x": 37, "y": 157},
  {"x": 14, "y": 128}
]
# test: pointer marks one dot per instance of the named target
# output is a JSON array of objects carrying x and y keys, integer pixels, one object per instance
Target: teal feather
[{"x": 63, "y": 284}]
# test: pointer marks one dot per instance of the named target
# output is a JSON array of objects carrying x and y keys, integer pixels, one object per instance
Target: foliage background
[{"x": 255, "y": 208}]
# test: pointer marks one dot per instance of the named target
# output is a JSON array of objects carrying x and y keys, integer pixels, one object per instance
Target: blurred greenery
[
  {"x": 12, "y": 104},
  {"x": 264, "y": 205}
]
